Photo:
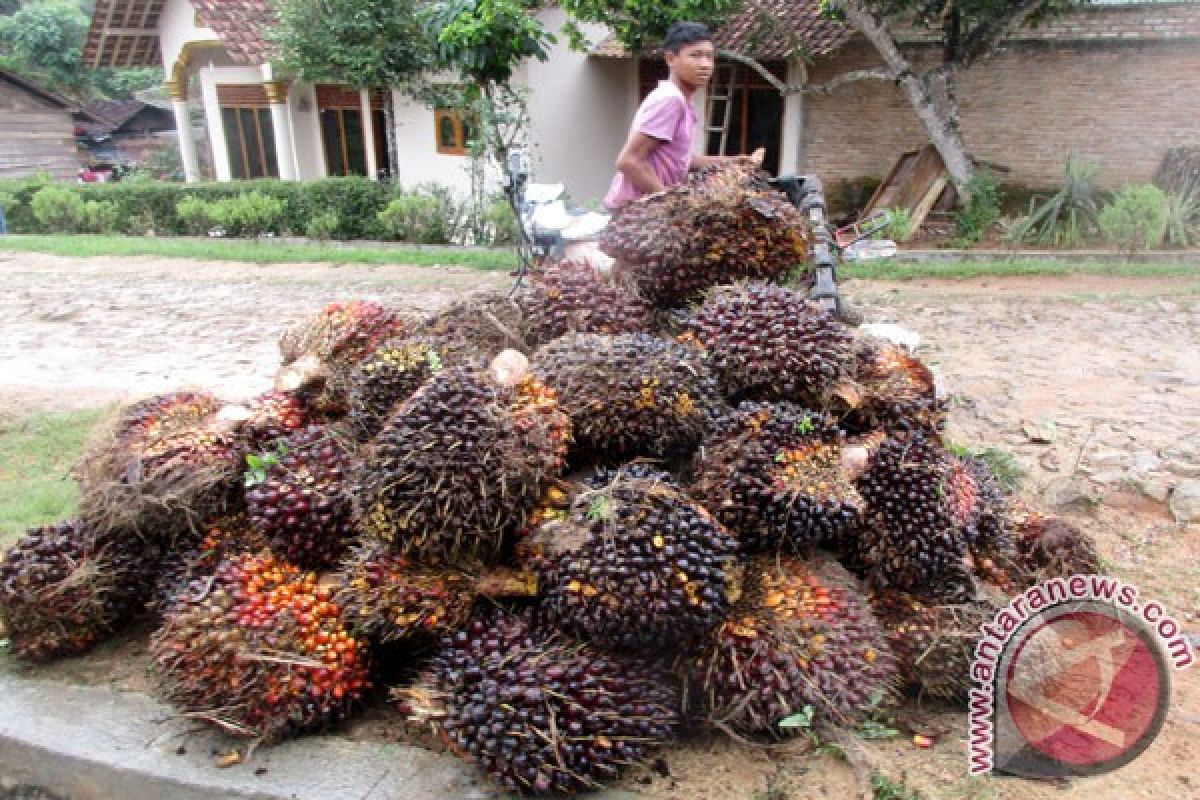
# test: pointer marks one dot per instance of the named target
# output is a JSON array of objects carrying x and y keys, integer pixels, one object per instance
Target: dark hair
[{"x": 681, "y": 34}]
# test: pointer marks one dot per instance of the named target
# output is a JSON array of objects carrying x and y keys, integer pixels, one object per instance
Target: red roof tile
[{"x": 241, "y": 24}]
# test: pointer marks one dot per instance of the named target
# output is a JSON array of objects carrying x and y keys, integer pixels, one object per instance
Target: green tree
[
  {"x": 968, "y": 31},
  {"x": 368, "y": 44},
  {"x": 46, "y": 39}
]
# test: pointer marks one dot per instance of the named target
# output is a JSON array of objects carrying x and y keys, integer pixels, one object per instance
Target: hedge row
[{"x": 145, "y": 206}]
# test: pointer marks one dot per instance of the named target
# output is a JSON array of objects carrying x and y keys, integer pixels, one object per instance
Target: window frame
[{"x": 459, "y": 148}]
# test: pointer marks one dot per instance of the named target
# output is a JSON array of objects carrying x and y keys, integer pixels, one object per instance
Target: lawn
[
  {"x": 258, "y": 251},
  {"x": 36, "y": 456},
  {"x": 893, "y": 270}
]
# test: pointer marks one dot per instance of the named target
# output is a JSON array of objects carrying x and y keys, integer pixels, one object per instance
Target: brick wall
[{"x": 1121, "y": 103}]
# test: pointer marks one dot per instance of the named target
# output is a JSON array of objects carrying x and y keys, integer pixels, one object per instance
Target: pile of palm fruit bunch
[{"x": 579, "y": 522}]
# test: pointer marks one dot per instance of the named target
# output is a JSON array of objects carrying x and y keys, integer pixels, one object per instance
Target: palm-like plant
[
  {"x": 1068, "y": 215},
  {"x": 1183, "y": 213}
]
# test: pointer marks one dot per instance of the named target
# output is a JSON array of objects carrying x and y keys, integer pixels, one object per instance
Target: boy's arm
[{"x": 634, "y": 162}]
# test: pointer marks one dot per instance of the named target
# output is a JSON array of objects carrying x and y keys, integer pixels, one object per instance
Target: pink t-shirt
[{"x": 667, "y": 116}]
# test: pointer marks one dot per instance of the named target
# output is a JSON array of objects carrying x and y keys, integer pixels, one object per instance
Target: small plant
[
  {"x": 899, "y": 226},
  {"x": 196, "y": 214},
  {"x": 885, "y": 788},
  {"x": 1069, "y": 215},
  {"x": 980, "y": 211},
  {"x": 427, "y": 215},
  {"x": 140, "y": 223},
  {"x": 502, "y": 225},
  {"x": 1183, "y": 214},
  {"x": 1136, "y": 218},
  {"x": 321, "y": 227},
  {"x": 259, "y": 464},
  {"x": 101, "y": 216},
  {"x": 249, "y": 214},
  {"x": 57, "y": 208}
]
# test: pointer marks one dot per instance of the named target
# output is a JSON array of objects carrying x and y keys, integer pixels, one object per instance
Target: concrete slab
[{"x": 94, "y": 743}]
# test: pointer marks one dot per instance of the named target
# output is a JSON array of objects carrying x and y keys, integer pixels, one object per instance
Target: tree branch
[
  {"x": 877, "y": 74},
  {"x": 983, "y": 40}
]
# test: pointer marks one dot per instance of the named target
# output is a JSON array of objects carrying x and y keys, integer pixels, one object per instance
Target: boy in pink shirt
[{"x": 658, "y": 152}]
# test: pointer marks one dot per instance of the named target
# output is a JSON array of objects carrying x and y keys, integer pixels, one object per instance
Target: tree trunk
[
  {"x": 934, "y": 101},
  {"x": 389, "y": 122}
]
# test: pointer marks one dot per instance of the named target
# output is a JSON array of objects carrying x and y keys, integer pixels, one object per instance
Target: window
[
  {"x": 250, "y": 138},
  {"x": 451, "y": 131},
  {"x": 343, "y": 134}
]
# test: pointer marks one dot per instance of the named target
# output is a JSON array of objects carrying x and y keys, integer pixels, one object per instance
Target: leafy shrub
[
  {"x": 1136, "y": 218},
  {"x": 981, "y": 210},
  {"x": 321, "y": 227},
  {"x": 249, "y": 214},
  {"x": 1069, "y": 215},
  {"x": 502, "y": 225},
  {"x": 101, "y": 216},
  {"x": 1183, "y": 215},
  {"x": 141, "y": 223},
  {"x": 57, "y": 208},
  {"x": 899, "y": 226},
  {"x": 196, "y": 215},
  {"x": 426, "y": 215}
]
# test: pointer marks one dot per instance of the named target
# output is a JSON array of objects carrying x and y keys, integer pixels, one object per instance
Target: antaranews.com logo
[{"x": 1072, "y": 678}]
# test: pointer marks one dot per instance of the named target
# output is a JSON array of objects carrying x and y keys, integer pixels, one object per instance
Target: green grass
[
  {"x": 36, "y": 456},
  {"x": 257, "y": 251},
  {"x": 892, "y": 270}
]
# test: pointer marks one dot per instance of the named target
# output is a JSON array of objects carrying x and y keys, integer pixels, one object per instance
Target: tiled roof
[
  {"x": 241, "y": 24},
  {"x": 766, "y": 30},
  {"x": 114, "y": 112}
]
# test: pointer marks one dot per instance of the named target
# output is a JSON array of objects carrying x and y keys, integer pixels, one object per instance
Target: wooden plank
[
  {"x": 884, "y": 192},
  {"x": 918, "y": 214}
]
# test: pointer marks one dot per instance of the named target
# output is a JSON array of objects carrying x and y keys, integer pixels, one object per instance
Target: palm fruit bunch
[
  {"x": 918, "y": 527},
  {"x": 934, "y": 643},
  {"x": 273, "y": 415},
  {"x": 774, "y": 473},
  {"x": 481, "y": 326},
  {"x": 301, "y": 503},
  {"x": 801, "y": 635},
  {"x": 724, "y": 224},
  {"x": 635, "y": 563},
  {"x": 1050, "y": 547},
  {"x": 64, "y": 588},
  {"x": 265, "y": 652},
  {"x": 161, "y": 466},
  {"x": 188, "y": 566},
  {"x": 980, "y": 505},
  {"x": 572, "y": 297},
  {"x": 539, "y": 713},
  {"x": 319, "y": 353},
  {"x": 460, "y": 464},
  {"x": 386, "y": 378},
  {"x": 768, "y": 342},
  {"x": 631, "y": 394},
  {"x": 894, "y": 390}
]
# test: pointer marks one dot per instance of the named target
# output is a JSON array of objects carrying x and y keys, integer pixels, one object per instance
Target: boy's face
[{"x": 693, "y": 64}]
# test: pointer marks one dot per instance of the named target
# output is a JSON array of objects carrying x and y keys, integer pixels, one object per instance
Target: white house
[{"x": 260, "y": 124}]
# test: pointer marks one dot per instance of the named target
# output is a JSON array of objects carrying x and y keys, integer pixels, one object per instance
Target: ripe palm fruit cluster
[
  {"x": 319, "y": 353},
  {"x": 934, "y": 643},
  {"x": 480, "y": 327},
  {"x": 801, "y": 635},
  {"x": 572, "y": 297},
  {"x": 917, "y": 531},
  {"x": 460, "y": 464},
  {"x": 632, "y": 394},
  {"x": 386, "y": 378},
  {"x": 265, "y": 652},
  {"x": 774, "y": 474},
  {"x": 273, "y": 415},
  {"x": 64, "y": 588},
  {"x": 303, "y": 506},
  {"x": 724, "y": 224},
  {"x": 767, "y": 342},
  {"x": 635, "y": 564},
  {"x": 896, "y": 391},
  {"x": 540, "y": 713},
  {"x": 187, "y": 567}
]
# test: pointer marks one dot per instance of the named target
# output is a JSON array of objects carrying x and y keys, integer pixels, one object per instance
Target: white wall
[
  {"x": 580, "y": 109},
  {"x": 306, "y": 132},
  {"x": 416, "y": 146},
  {"x": 177, "y": 26}
]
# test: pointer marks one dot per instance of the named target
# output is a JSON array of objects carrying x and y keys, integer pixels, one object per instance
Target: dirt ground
[{"x": 1092, "y": 385}]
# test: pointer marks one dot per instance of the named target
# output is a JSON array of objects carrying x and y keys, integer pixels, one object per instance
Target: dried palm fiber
[
  {"x": 391, "y": 374},
  {"x": 65, "y": 588},
  {"x": 893, "y": 390},
  {"x": 631, "y": 394},
  {"x": 303, "y": 504},
  {"x": 264, "y": 652},
  {"x": 460, "y": 463},
  {"x": 768, "y": 342},
  {"x": 933, "y": 642},
  {"x": 1051, "y": 547},
  {"x": 319, "y": 353},
  {"x": 724, "y": 224},
  {"x": 635, "y": 564},
  {"x": 391, "y": 598},
  {"x": 801, "y": 635},
  {"x": 919, "y": 523},
  {"x": 538, "y": 712},
  {"x": 775, "y": 475},
  {"x": 482, "y": 325},
  {"x": 573, "y": 297},
  {"x": 160, "y": 467},
  {"x": 189, "y": 566}
]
